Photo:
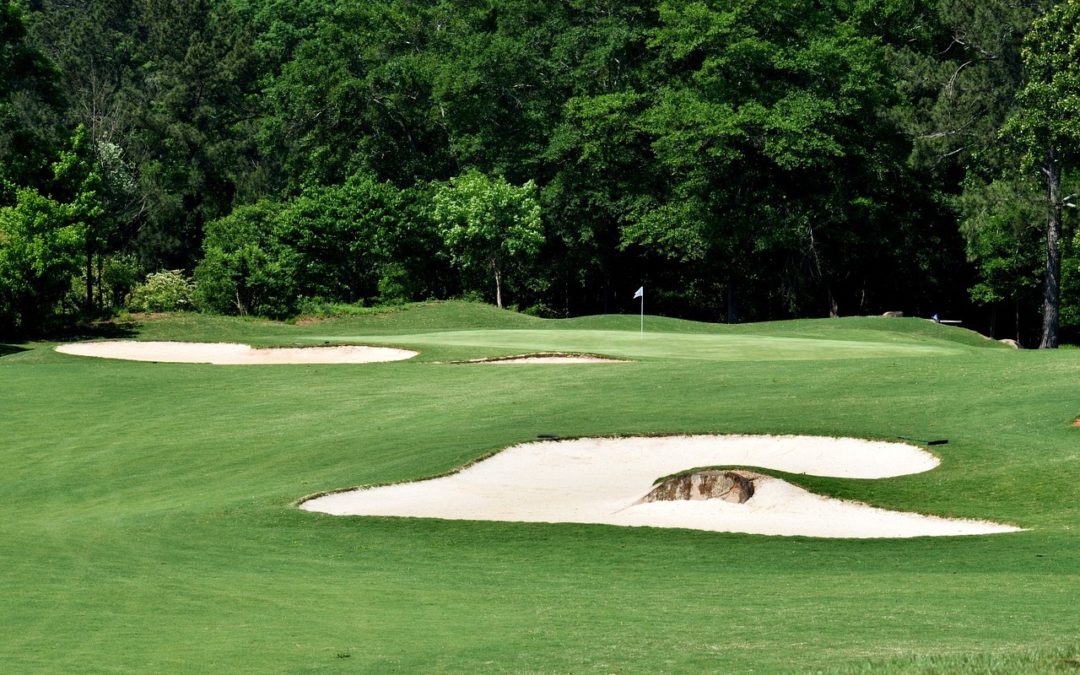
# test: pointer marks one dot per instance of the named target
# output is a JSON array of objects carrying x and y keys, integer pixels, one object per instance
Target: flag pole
[{"x": 641, "y": 294}]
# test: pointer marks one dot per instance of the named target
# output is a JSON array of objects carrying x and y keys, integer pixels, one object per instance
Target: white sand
[
  {"x": 224, "y": 353},
  {"x": 602, "y": 480}
]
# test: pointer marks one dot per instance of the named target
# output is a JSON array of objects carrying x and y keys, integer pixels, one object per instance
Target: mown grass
[{"x": 148, "y": 519}]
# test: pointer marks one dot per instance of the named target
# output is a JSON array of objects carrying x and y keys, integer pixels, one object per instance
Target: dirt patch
[
  {"x": 546, "y": 357},
  {"x": 731, "y": 486},
  {"x": 1076, "y": 422},
  {"x": 312, "y": 320},
  {"x": 224, "y": 353}
]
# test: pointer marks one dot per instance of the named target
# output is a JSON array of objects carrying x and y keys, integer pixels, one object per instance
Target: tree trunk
[
  {"x": 732, "y": 310},
  {"x": 89, "y": 272},
  {"x": 240, "y": 308},
  {"x": 498, "y": 284},
  {"x": 1052, "y": 287},
  {"x": 100, "y": 280},
  {"x": 1016, "y": 309}
]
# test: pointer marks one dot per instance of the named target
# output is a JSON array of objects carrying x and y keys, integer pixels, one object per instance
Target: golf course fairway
[{"x": 150, "y": 518}]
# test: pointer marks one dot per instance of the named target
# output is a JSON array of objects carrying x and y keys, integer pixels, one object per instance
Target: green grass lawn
[{"x": 149, "y": 521}]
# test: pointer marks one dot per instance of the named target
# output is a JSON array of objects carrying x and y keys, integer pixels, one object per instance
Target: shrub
[
  {"x": 121, "y": 275},
  {"x": 361, "y": 242},
  {"x": 117, "y": 275},
  {"x": 164, "y": 291},
  {"x": 39, "y": 254},
  {"x": 240, "y": 272}
]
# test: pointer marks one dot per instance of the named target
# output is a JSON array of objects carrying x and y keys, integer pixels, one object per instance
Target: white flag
[{"x": 640, "y": 293}]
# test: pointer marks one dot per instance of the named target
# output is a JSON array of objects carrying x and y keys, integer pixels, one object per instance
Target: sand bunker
[
  {"x": 224, "y": 353},
  {"x": 604, "y": 480}
]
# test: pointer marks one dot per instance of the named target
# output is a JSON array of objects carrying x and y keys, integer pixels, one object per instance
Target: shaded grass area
[
  {"x": 148, "y": 524},
  {"x": 10, "y": 349}
]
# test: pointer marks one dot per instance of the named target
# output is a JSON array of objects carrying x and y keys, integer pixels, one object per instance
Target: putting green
[{"x": 626, "y": 344}]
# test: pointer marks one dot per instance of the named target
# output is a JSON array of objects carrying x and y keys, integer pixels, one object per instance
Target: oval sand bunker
[
  {"x": 603, "y": 480},
  {"x": 225, "y": 353}
]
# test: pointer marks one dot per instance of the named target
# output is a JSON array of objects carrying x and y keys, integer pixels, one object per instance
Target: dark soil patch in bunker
[{"x": 731, "y": 486}]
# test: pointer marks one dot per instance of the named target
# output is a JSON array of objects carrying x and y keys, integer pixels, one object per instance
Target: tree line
[{"x": 745, "y": 160}]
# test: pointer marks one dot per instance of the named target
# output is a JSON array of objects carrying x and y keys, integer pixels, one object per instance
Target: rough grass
[{"x": 148, "y": 524}]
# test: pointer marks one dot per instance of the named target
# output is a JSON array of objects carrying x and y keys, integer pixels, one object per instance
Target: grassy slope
[{"x": 147, "y": 519}]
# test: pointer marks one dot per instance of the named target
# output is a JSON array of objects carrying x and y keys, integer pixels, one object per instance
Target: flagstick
[{"x": 642, "y": 316}]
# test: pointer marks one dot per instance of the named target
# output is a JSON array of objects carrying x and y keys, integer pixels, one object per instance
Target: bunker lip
[
  {"x": 545, "y": 357},
  {"x": 604, "y": 481},
  {"x": 229, "y": 353}
]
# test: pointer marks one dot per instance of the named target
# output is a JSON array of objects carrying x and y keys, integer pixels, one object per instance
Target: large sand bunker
[
  {"x": 604, "y": 480},
  {"x": 225, "y": 353}
]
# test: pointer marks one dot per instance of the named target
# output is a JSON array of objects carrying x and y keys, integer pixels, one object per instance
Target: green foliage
[
  {"x": 967, "y": 82},
  {"x": 1070, "y": 293},
  {"x": 29, "y": 100},
  {"x": 600, "y": 185},
  {"x": 40, "y": 242},
  {"x": 119, "y": 274},
  {"x": 164, "y": 291},
  {"x": 97, "y": 51},
  {"x": 1046, "y": 134},
  {"x": 39, "y": 251},
  {"x": 239, "y": 272},
  {"x": 747, "y": 159},
  {"x": 488, "y": 225},
  {"x": 1047, "y": 118},
  {"x": 332, "y": 239},
  {"x": 77, "y": 179},
  {"x": 1002, "y": 227},
  {"x": 959, "y": 69},
  {"x": 358, "y": 241},
  {"x": 356, "y": 95},
  {"x": 782, "y": 176}
]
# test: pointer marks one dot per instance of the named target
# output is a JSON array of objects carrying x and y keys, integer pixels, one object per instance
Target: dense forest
[{"x": 742, "y": 159}]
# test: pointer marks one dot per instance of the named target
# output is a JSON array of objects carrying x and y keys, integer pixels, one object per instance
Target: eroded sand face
[
  {"x": 224, "y": 353},
  {"x": 602, "y": 480},
  {"x": 547, "y": 358}
]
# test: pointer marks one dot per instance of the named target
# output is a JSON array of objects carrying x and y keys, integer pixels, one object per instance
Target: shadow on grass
[
  {"x": 78, "y": 331},
  {"x": 10, "y": 349},
  {"x": 94, "y": 331}
]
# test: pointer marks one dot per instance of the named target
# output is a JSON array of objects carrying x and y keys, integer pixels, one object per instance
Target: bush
[
  {"x": 240, "y": 272},
  {"x": 361, "y": 242},
  {"x": 540, "y": 310},
  {"x": 335, "y": 240},
  {"x": 39, "y": 254},
  {"x": 165, "y": 291},
  {"x": 117, "y": 276},
  {"x": 121, "y": 276}
]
